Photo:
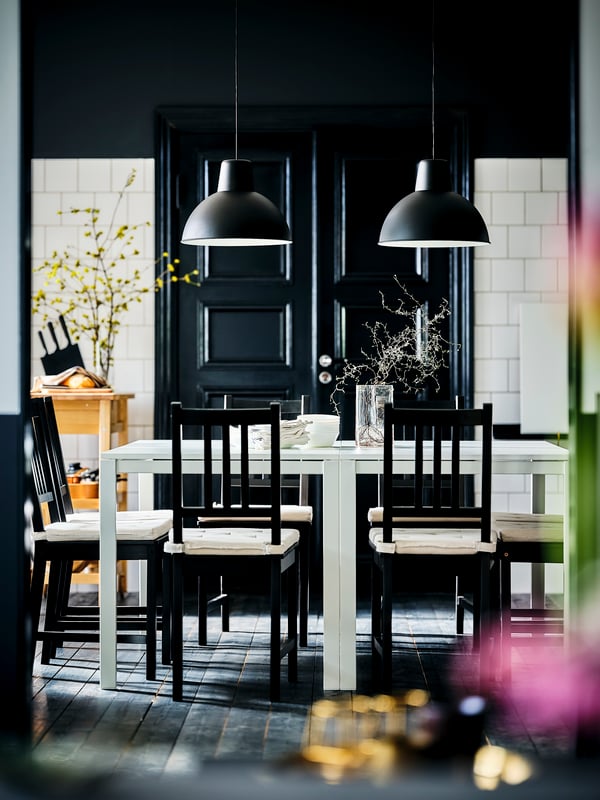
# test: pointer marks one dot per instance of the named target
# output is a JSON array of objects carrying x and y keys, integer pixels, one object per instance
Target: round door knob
[
  {"x": 325, "y": 360},
  {"x": 325, "y": 377}
]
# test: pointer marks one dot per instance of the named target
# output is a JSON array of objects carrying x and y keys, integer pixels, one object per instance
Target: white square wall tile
[
  {"x": 541, "y": 275},
  {"x": 140, "y": 208},
  {"x": 121, "y": 169},
  {"x": 505, "y": 341},
  {"x": 524, "y": 174},
  {"x": 482, "y": 272},
  {"x": 508, "y": 275},
  {"x": 554, "y": 174},
  {"x": 44, "y": 208},
  {"x": 508, "y": 208},
  {"x": 491, "y": 308},
  {"x": 491, "y": 174},
  {"x": 482, "y": 341},
  {"x": 506, "y": 408},
  {"x": 555, "y": 241},
  {"x": 491, "y": 375},
  {"x": 60, "y": 175},
  {"x": 94, "y": 174},
  {"x": 541, "y": 208},
  {"x": 524, "y": 241},
  {"x": 514, "y": 375}
]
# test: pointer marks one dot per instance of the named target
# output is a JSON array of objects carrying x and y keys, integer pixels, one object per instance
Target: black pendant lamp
[
  {"x": 433, "y": 215},
  {"x": 235, "y": 215}
]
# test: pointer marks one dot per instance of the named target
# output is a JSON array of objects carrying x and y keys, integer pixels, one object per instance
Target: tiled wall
[
  {"x": 524, "y": 202},
  {"x": 79, "y": 183}
]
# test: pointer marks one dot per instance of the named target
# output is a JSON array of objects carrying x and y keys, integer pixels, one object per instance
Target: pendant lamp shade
[
  {"x": 235, "y": 215},
  {"x": 434, "y": 215}
]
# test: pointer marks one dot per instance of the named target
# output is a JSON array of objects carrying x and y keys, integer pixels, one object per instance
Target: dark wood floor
[{"x": 226, "y": 714}]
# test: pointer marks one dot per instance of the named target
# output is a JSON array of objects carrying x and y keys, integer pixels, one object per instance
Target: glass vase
[{"x": 370, "y": 402}]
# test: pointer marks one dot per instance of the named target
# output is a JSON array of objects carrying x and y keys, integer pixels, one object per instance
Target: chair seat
[
  {"x": 431, "y": 541},
  {"x": 129, "y": 529},
  {"x": 289, "y": 513},
  {"x": 528, "y": 527},
  {"x": 232, "y": 542}
]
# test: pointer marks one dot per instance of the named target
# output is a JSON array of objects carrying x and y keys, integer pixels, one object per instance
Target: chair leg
[
  {"x": 202, "y": 611},
  {"x": 459, "y": 609},
  {"x": 292, "y": 619},
  {"x": 52, "y": 609},
  {"x": 275, "y": 639},
  {"x": 224, "y": 606},
  {"x": 152, "y": 572},
  {"x": 36, "y": 592},
  {"x": 177, "y": 625},
  {"x": 166, "y": 599},
  {"x": 375, "y": 623},
  {"x": 304, "y": 586},
  {"x": 386, "y": 623}
]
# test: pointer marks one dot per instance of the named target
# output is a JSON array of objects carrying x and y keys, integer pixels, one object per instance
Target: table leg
[
  {"x": 347, "y": 546},
  {"x": 331, "y": 576},
  {"x": 108, "y": 574}
]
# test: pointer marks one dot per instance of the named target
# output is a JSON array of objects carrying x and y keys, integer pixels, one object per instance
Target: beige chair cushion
[
  {"x": 431, "y": 541},
  {"x": 515, "y": 527},
  {"x": 142, "y": 526},
  {"x": 289, "y": 513},
  {"x": 232, "y": 542}
]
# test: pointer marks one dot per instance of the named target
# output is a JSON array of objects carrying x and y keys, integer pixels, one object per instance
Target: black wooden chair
[
  {"x": 76, "y": 537},
  {"x": 532, "y": 539},
  {"x": 295, "y": 499},
  {"x": 428, "y": 525},
  {"x": 232, "y": 548}
]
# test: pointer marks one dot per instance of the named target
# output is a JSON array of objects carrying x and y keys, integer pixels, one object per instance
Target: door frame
[{"x": 171, "y": 121}]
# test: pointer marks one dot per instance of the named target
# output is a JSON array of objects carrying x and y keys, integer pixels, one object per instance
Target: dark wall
[{"x": 101, "y": 68}]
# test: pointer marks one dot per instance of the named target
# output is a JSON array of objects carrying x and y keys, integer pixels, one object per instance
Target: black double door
[{"x": 277, "y": 322}]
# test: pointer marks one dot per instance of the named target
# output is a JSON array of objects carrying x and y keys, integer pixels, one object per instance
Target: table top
[{"x": 502, "y": 450}]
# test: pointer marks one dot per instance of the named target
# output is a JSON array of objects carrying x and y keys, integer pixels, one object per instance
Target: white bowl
[{"x": 322, "y": 430}]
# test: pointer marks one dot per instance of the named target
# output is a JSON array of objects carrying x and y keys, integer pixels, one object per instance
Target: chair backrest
[
  {"x": 46, "y": 496},
  {"x": 212, "y": 427},
  {"x": 439, "y": 435},
  {"x": 406, "y": 432},
  {"x": 295, "y": 487},
  {"x": 44, "y": 407}
]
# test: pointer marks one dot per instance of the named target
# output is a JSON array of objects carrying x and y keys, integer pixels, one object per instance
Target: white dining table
[{"x": 338, "y": 467}]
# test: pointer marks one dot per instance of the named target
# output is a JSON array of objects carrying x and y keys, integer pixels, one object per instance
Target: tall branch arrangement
[
  {"x": 409, "y": 355},
  {"x": 93, "y": 289}
]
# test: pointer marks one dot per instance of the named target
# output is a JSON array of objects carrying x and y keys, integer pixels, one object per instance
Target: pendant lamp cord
[
  {"x": 236, "y": 71},
  {"x": 433, "y": 79}
]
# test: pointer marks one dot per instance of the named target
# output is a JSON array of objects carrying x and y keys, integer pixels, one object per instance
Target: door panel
[
  {"x": 361, "y": 174},
  {"x": 246, "y": 328}
]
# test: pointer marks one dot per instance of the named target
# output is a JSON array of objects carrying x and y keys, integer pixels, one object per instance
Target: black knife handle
[
  {"x": 41, "y": 335},
  {"x": 63, "y": 325},
  {"x": 53, "y": 335}
]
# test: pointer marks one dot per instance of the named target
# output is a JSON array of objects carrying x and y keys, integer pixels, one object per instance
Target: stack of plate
[
  {"x": 322, "y": 430},
  {"x": 293, "y": 431}
]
